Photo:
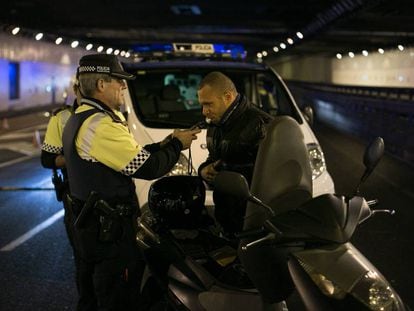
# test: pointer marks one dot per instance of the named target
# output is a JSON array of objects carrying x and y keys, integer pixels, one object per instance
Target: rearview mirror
[
  {"x": 232, "y": 183},
  {"x": 373, "y": 153},
  {"x": 235, "y": 184},
  {"x": 308, "y": 114}
]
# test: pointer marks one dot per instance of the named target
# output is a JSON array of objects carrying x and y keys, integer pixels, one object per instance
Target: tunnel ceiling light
[
  {"x": 276, "y": 49},
  {"x": 122, "y": 53},
  {"x": 58, "y": 40},
  {"x": 400, "y": 47},
  {"x": 351, "y": 54},
  {"x": 109, "y": 50},
  {"x": 39, "y": 36},
  {"x": 100, "y": 48},
  {"x": 74, "y": 44},
  {"x": 365, "y": 52},
  {"x": 339, "y": 56},
  {"x": 290, "y": 41},
  {"x": 127, "y": 54},
  {"x": 283, "y": 46},
  {"x": 259, "y": 55},
  {"x": 264, "y": 53},
  {"x": 15, "y": 31},
  {"x": 299, "y": 35},
  {"x": 381, "y": 51},
  {"x": 116, "y": 52},
  {"x": 89, "y": 47}
]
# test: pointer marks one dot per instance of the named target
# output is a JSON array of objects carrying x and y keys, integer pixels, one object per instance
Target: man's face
[
  {"x": 114, "y": 93},
  {"x": 213, "y": 103}
]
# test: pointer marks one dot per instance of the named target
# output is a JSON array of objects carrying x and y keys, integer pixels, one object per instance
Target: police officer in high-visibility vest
[
  {"x": 101, "y": 158},
  {"x": 52, "y": 156}
]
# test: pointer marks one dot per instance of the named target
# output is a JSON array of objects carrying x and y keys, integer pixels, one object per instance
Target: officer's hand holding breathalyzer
[{"x": 186, "y": 136}]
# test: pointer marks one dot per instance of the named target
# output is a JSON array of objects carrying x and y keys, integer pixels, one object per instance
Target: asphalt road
[{"x": 38, "y": 274}]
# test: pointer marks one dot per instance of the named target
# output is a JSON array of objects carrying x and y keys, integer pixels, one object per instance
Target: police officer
[
  {"x": 102, "y": 157},
  {"x": 233, "y": 137},
  {"x": 52, "y": 156}
]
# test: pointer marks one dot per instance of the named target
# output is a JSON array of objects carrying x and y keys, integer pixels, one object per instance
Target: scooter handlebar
[
  {"x": 273, "y": 234},
  {"x": 269, "y": 237}
]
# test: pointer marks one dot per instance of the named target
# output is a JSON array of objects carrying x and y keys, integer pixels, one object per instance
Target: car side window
[
  {"x": 272, "y": 96},
  {"x": 165, "y": 99},
  {"x": 187, "y": 85}
]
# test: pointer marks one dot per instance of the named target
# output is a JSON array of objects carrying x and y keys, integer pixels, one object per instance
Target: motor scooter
[
  {"x": 327, "y": 271},
  {"x": 290, "y": 241},
  {"x": 189, "y": 265}
]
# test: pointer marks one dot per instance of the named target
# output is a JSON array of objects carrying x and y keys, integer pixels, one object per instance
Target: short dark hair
[{"x": 218, "y": 81}]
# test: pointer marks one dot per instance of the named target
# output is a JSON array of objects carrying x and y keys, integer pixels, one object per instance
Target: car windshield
[{"x": 165, "y": 98}]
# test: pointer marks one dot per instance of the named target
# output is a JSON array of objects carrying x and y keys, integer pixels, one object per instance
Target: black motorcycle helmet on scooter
[{"x": 177, "y": 202}]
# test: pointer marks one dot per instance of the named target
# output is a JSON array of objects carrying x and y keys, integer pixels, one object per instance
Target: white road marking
[
  {"x": 31, "y": 233},
  {"x": 17, "y": 135},
  {"x": 24, "y": 158},
  {"x": 34, "y": 127}
]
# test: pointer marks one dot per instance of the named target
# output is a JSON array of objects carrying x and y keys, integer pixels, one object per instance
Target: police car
[{"x": 163, "y": 97}]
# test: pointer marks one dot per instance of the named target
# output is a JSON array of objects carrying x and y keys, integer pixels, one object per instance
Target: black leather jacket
[{"x": 235, "y": 139}]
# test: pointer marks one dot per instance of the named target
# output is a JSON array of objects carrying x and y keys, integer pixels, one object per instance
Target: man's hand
[
  {"x": 60, "y": 161},
  {"x": 209, "y": 173},
  {"x": 186, "y": 136}
]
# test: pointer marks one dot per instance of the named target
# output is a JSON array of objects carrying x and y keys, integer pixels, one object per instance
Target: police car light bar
[{"x": 231, "y": 51}]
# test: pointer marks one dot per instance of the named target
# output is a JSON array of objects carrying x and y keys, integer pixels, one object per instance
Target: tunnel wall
[
  {"x": 44, "y": 72},
  {"x": 394, "y": 68},
  {"x": 365, "y": 112}
]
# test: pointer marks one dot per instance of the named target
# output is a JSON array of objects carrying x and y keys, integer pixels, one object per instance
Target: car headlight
[
  {"x": 317, "y": 160},
  {"x": 182, "y": 167},
  {"x": 372, "y": 290}
]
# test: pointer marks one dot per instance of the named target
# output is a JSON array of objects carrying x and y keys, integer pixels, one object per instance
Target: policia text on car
[{"x": 101, "y": 157}]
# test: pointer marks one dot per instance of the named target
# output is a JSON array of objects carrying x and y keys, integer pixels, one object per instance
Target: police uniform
[
  {"x": 51, "y": 148},
  {"x": 101, "y": 158},
  {"x": 54, "y": 131}
]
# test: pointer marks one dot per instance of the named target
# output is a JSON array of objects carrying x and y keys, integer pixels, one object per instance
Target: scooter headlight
[
  {"x": 326, "y": 286},
  {"x": 182, "y": 167},
  {"x": 317, "y": 160},
  {"x": 375, "y": 292},
  {"x": 372, "y": 290}
]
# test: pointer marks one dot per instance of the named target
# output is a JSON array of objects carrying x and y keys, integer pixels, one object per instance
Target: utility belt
[{"x": 110, "y": 217}]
